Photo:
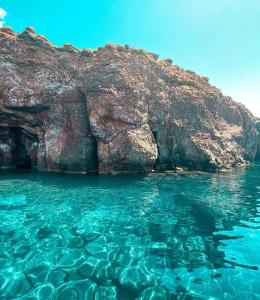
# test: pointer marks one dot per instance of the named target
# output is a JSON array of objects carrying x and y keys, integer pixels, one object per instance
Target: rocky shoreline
[{"x": 113, "y": 110}]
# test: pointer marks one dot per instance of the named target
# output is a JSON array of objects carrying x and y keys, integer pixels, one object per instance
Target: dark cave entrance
[
  {"x": 18, "y": 148},
  {"x": 25, "y": 148},
  {"x": 22, "y": 159}
]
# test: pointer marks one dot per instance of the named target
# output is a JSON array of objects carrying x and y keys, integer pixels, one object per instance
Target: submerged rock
[
  {"x": 21, "y": 249},
  {"x": 195, "y": 243},
  {"x": 98, "y": 247},
  {"x": 88, "y": 267},
  {"x": 136, "y": 278},
  {"x": 70, "y": 258},
  {"x": 104, "y": 292},
  {"x": 113, "y": 110},
  {"x": 43, "y": 233},
  {"x": 154, "y": 293},
  {"x": 37, "y": 274},
  {"x": 81, "y": 289},
  {"x": 17, "y": 286},
  {"x": 44, "y": 292},
  {"x": 74, "y": 242},
  {"x": 57, "y": 277}
]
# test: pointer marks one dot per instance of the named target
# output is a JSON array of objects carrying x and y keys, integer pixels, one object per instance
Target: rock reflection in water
[{"x": 134, "y": 237}]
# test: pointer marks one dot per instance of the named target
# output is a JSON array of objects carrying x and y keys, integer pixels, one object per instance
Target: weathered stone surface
[
  {"x": 116, "y": 109},
  {"x": 258, "y": 140}
]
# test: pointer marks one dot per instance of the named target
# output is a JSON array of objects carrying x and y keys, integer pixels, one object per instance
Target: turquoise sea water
[{"x": 185, "y": 236}]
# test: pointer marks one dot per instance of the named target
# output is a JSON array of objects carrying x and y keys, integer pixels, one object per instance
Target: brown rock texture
[
  {"x": 258, "y": 139},
  {"x": 116, "y": 109}
]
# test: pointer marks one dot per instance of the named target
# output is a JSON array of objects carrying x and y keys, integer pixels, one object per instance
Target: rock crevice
[{"x": 115, "y": 109}]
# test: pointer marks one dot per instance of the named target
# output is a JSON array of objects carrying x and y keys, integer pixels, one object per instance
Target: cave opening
[
  {"x": 15, "y": 148},
  {"x": 157, "y": 164},
  {"x": 22, "y": 159}
]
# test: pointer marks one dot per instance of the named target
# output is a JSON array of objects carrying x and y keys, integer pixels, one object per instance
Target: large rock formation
[{"x": 113, "y": 109}]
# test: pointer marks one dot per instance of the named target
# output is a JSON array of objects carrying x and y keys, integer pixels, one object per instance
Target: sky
[{"x": 219, "y": 39}]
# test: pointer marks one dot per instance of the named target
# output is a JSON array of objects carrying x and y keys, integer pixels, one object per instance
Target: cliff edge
[{"x": 116, "y": 109}]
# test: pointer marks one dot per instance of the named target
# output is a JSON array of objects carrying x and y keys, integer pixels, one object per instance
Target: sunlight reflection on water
[{"x": 126, "y": 237}]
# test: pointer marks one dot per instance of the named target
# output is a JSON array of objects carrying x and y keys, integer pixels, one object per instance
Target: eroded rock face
[
  {"x": 112, "y": 110},
  {"x": 258, "y": 140}
]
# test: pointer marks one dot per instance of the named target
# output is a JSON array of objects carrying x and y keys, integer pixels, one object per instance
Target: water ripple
[{"x": 159, "y": 236}]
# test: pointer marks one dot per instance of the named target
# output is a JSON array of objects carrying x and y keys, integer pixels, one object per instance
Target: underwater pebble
[
  {"x": 159, "y": 248},
  {"x": 44, "y": 292},
  {"x": 215, "y": 275},
  {"x": 67, "y": 293},
  {"x": 132, "y": 240},
  {"x": 197, "y": 257},
  {"x": 91, "y": 236},
  {"x": 56, "y": 277},
  {"x": 195, "y": 243},
  {"x": 153, "y": 293},
  {"x": 159, "y": 231},
  {"x": 4, "y": 261},
  {"x": 75, "y": 242},
  {"x": 175, "y": 243},
  {"x": 135, "y": 278},
  {"x": 198, "y": 281},
  {"x": 81, "y": 289},
  {"x": 21, "y": 250},
  {"x": 3, "y": 283},
  {"x": 106, "y": 293},
  {"x": 37, "y": 274},
  {"x": 97, "y": 269},
  {"x": 86, "y": 269},
  {"x": 102, "y": 272},
  {"x": 98, "y": 247},
  {"x": 137, "y": 252},
  {"x": 2, "y": 248},
  {"x": 72, "y": 274},
  {"x": 154, "y": 261},
  {"x": 19, "y": 236},
  {"x": 85, "y": 289},
  {"x": 122, "y": 258},
  {"x": 66, "y": 233},
  {"x": 86, "y": 228},
  {"x": 17, "y": 286},
  {"x": 141, "y": 230},
  {"x": 70, "y": 257},
  {"x": 184, "y": 230},
  {"x": 43, "y": 233}
]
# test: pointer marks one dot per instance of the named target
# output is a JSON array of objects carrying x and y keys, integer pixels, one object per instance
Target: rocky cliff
[{"x": 115, "y": 109}]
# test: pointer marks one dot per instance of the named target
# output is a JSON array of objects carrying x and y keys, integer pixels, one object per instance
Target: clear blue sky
[{"x": 216, "y": 38}]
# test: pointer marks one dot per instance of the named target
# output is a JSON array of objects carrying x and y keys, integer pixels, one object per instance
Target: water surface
[{"x": 185, "y": 236}]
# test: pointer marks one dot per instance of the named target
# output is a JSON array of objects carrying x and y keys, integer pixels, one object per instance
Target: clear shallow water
[{"x": 193, "y": 236}]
